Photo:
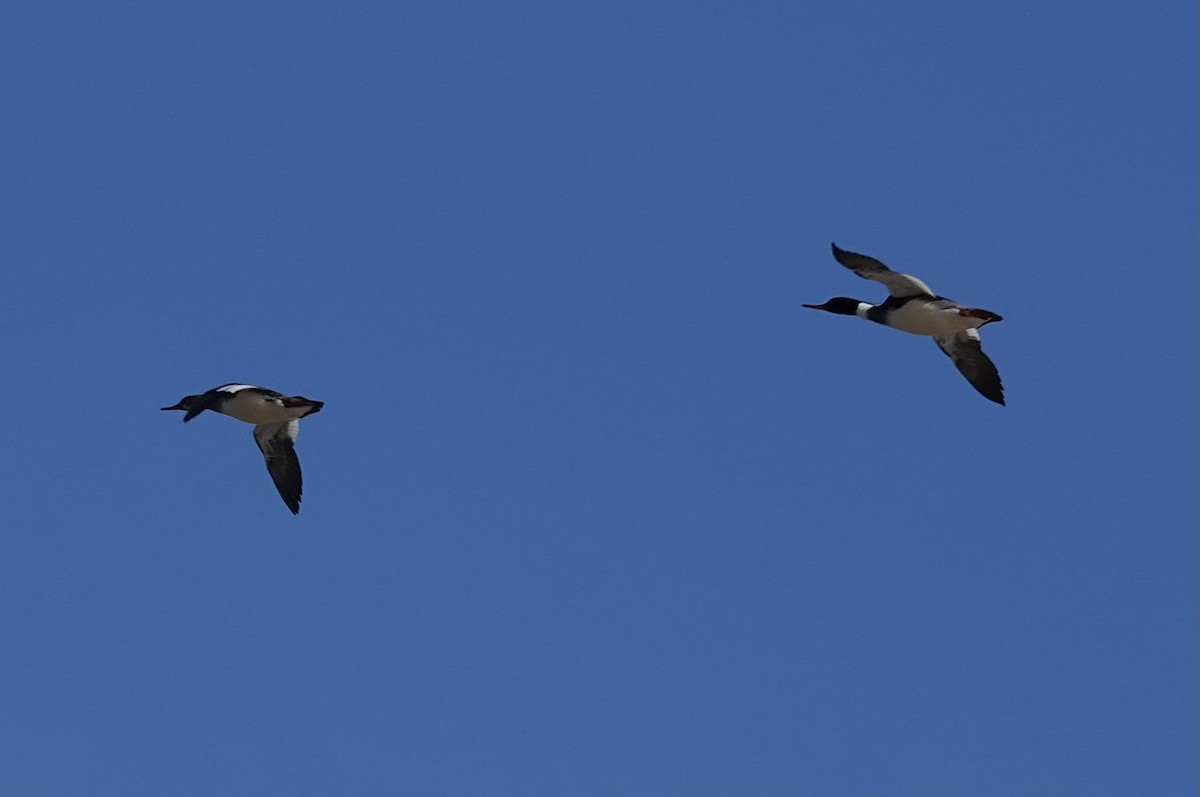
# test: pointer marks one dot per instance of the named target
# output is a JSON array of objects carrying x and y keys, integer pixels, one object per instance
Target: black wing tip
[
  {"x": 851, "y": 260},
  {"x": 291, "y": 497},
  {"x": 991, "y": 392}
]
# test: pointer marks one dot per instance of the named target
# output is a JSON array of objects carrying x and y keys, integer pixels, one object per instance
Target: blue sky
[{"x": 594, "y": 507}]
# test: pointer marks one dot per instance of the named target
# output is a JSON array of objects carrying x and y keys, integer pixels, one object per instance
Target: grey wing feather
[
  {"x": 967, "y": 354},
  {"x": 898, "y": 285},
  {"x": 277, "y": 441}
]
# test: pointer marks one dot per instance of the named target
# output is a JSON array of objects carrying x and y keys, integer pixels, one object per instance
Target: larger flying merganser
[
  {"x": 276, "y": 420},
  {"x": 912, "y": 307}
]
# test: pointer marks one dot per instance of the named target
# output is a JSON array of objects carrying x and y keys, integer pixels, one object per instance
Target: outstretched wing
[
  {"x": 901, "y": 286},
  {"x": 969, "y": 359},
  {"x": 277, "y": 441}
]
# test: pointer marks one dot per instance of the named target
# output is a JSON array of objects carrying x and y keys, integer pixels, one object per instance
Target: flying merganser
[
  {"x": 276, "y": 420},
  {"x": 912, "y": 307}
]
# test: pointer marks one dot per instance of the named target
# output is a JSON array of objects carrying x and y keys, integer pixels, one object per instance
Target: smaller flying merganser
[
  {"x": 276, "y": 420},
  {"x": 912, "y": 307}
]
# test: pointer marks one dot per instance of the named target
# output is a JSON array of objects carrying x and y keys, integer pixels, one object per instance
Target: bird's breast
[
  {"x": 930, "y": 318},
  {"x": 256, "y": 408}
]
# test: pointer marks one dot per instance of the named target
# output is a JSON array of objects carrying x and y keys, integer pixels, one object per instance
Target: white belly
[
  {"x": 253, "y": 407},
  {"x": 922, "y": 318}
]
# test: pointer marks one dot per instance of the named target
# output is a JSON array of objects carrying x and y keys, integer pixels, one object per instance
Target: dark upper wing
[
  {"x": 277, "y": 441},
  {"x": 969, "y": 359},
  {"x": 898, "y": 285}
]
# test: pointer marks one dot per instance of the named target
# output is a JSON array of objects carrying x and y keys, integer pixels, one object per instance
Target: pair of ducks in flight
[{"x": 910, "y": 307}]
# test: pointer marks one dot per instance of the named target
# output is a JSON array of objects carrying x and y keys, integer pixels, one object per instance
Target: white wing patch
[
  {"x": 901, "y": 285},
  {"x": 269, "y": 435}
]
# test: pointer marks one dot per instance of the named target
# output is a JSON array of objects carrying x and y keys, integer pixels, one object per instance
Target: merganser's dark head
[
  {"x": 192, "y": 405},
  {"x": 186, "y": 403},
  {"x": 838, "y": 304}
]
